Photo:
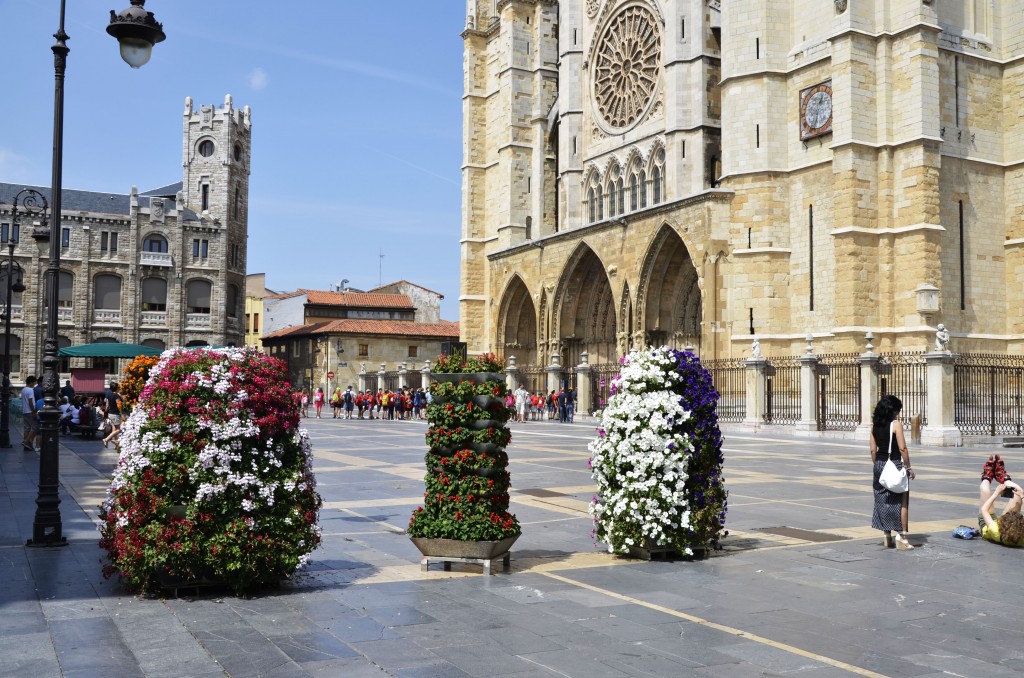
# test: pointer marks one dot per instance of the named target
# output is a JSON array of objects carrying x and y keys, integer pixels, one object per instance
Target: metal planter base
[{"x": 450, "y": 551}]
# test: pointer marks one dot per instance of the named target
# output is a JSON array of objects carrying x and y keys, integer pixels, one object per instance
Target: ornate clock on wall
[
  {"x": 816, "y": 110},
  {"x": 627, "y": 68}
]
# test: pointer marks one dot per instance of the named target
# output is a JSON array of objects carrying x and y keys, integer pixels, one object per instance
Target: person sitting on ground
[{"x": 1008, "y": 529}]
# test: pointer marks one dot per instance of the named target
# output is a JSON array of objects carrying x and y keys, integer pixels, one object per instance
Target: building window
[
  {"x": 107, "y": 292},
  {"x": 364, "y": 350},
  {"x": 656, "y": 180},
  {"x": 600, "y": 204},
  {"x": 238, "y": 152},
  {"x": 248, "y": 320},
  {"x": 232, "y": 301},
  {"x": 65, "y": 287},
  {"x": 108, "y": 241},
  {"x": 592, "y": 206},
  {"x": 65, "y": 238},
  {"x": 198, "y": 297},
  {"x": 154, "y": 294},
  {"x": 414, "y": 351},
  {"x": 238, "y": 194},
  {"x": 295, "y": 349},
  {"x": 643, "y": 189},
  {"x": 104, "y": 239},
  {"x": 15, "y": 352},
  {"x": 206, "y": 148},
  {"x": 6, "y": 231},
  {"x": 632, "y": 192},
  {"x": 205, "y": 197},
  {"x": 155, "y": 243},
  {"x": 256, "y": 323},
  {"x": 200, "y": 249},
  {"x": 158, "y": 344}
]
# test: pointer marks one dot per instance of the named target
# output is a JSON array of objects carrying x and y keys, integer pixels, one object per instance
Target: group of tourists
[
  {"x": 103, "y": 412},
  {"x": 560, "y": 405},
  {"x": 892, "y": 506},
  {"x": 405, "y": 403}
]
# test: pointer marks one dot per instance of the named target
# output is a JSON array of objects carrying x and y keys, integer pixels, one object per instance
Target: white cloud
[{"x": 258, "y": 79}]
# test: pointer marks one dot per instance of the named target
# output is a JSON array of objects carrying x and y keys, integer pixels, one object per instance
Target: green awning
[{"x": 108, "y": 350}]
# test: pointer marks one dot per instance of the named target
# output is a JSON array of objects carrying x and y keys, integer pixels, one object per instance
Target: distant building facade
[
  {"x": 698, "y": 172},
  {"x": 255, "y": 292},
  {"x": 345, "y": 333},
  {"x": 162, "y": 268}
]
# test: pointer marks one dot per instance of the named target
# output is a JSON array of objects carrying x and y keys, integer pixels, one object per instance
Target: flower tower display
[
  {"x": 465, "y": 502},
  {"x": 133, "y": 380},
  {"x": 657, "y": 460},
  {"x": 214, "y": 483}
]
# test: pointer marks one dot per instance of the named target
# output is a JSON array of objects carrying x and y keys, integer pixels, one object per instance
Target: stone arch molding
[
  {"x": 669, "y": 302},
  {"x": 518, "y": 322},
  {"x": 584, "y": 314}
]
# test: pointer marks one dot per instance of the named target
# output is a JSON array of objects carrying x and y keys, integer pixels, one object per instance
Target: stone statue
[
  {"x": 942, "y": 339},
  {"x": 755, "y": 349}
]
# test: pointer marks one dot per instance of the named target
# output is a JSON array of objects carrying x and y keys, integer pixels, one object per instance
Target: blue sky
[{"x": 357, "y": 123}]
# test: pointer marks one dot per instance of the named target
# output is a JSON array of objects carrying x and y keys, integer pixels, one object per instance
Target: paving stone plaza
[{"x": 822, "y": 598}]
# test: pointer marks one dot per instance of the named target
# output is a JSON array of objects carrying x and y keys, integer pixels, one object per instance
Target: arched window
[
  {"x": 107, "y": 292},
  {"x": 233, "y": 300},
  {"x": 658, "y": 176},
  {"x": 632, "y": 192},
  {"x": 656, "y": 179},
  {"x": 600, "y": 204},
  {"x": 198, "y": 296},
  {"x": 158, "y": 344},
  {"x": 15, "y": 352},
  {"x": 643, "y": 189},
  {"x": 206, "y": 148},
  {"x": 155, "y": 243},
  {"x": 592, "y": 205},
  {"x": 622, "y": 196},
  {"x": 197, "y": 343},
  {"x": 613, "y": 202},
  {"x": 65, "y": 290},
  {"x": 154, "y": 294}
]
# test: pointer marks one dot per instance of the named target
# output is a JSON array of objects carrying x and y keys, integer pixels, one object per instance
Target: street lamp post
[
  {"x": 137, "y": 31},
  {"x": 34, "y": 205}
]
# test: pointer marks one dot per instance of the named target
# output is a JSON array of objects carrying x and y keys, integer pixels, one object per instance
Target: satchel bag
[{"x": 892, "y": 478}]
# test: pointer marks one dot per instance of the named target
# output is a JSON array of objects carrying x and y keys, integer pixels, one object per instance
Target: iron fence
[
  {"x": 782, "y": 391},
  {"x": 905, "y": 375},
  {"x": 389, "y": 381},
  {"x": 533, "y": 377},
  {"x": 987, "y": 391},
  {"x": 414, "y": 379},
  {"x": 730, "y": 380},
  {"x": 370, "y": 379},
  {"x": 838, "y": 382},
  {"x": 601, "y": 376}
]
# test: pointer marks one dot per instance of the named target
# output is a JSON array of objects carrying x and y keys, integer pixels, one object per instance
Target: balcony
[
  {"x": 64, "y": 315},
  {"x": 155, "y": 259},
  {"x": 198, "y": 321},
  {"x": 105, "y": 317},
  {"x": 17, "y": 313},
  {"x": 153, "y": 319}
]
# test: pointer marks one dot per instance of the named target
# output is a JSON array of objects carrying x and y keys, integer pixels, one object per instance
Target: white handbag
[{"x": 892, "y": 478}]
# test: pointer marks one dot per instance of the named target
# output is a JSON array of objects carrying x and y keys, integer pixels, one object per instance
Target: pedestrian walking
[
  {"x": 892, "y": 509},
  {"x": 336, "y": 402},
  {"x": 318, "y": 401},
  {"x": 113, "y": 415},
  {"x": 30, "y": 436}
]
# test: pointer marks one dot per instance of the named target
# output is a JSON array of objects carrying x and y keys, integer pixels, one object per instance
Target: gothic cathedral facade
[{"x": 700, "y": 173}]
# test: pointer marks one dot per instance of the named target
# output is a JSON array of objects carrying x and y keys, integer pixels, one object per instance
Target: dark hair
[
  {"x": 886, "y": 410},
  {"x": 1011, "y": 527}
]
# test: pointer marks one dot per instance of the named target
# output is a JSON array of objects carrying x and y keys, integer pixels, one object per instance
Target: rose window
[{"x": 626, "y": 67}]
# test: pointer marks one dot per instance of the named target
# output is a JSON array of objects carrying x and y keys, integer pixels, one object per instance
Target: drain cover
[
  {"x": 797, "y": 533},
  {"x": 538, "y": 492}
]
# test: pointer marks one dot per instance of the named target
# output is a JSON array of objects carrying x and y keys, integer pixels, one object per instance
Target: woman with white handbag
[{"x": 892, "y": 473}]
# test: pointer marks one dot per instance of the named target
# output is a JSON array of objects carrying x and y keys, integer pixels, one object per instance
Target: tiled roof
[
  {"x": 358, "y": 299},
  {"x": 285, "y": 295},
  {"x": 169, "y": 191},
  {"x": 396, "y": 328},
  {"x": 399, "y": 282}
]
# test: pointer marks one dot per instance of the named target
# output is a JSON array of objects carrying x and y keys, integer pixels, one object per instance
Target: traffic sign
[{"x": 330, "y": 375}]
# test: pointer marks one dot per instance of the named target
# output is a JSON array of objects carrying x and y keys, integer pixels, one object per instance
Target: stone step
[{"x": 1013, "y": 442}]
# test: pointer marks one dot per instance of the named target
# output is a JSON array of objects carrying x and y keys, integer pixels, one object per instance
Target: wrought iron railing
[
  {"x": 371, "y": 381},
  {"x": 838, "y": 401},
  {"x": 389, "y": 380},
  {"x": 730, "y": 380},
  {"x": 987, "y": 394},
  {"x": 532, "y": 377},
  {"x": 782, "y": 391},
  {"x": 601, "y": 384},
  {"x": 905, "y": 375}
]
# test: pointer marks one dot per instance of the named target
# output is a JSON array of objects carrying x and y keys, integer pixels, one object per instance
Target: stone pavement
[{"x": 824, "y": 598}]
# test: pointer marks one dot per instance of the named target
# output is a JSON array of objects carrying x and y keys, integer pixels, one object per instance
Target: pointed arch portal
[
  {"x": 670, "y": 295},
  {"x": 517, "y": 323},
  {"x": 586, "y": 310}
]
